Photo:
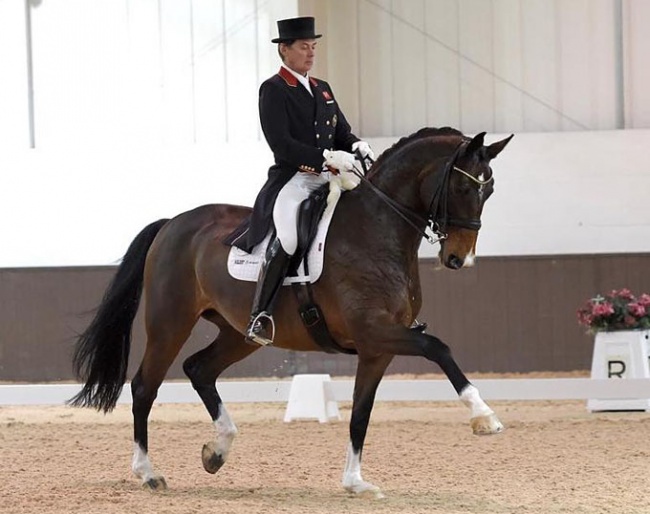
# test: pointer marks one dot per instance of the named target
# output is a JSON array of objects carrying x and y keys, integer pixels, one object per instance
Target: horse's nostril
[{"x": 454, "y": 262}]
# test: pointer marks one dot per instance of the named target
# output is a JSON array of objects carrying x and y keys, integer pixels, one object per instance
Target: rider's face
[{"x": 300, "y": 55}]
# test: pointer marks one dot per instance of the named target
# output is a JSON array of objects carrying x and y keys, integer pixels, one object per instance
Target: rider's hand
[
  {"x": 364, "y": 149},
  {"x": 338, "y": 160}
]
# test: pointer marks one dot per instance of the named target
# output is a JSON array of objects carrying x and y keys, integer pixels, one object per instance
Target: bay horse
[{"x": 369, "y": 293}]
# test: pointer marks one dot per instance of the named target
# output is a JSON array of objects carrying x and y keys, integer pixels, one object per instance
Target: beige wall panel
[
  {"x": 341, "y": 38},
  {"x": 636, "y": 41},
  {"x": 585, "y": 62},
  {"x": 410, "y": 12},
  {"x": 539, "y": 55},
  {"x": 508, "y": 67},
  {"x": 409, "y": 77},
  {"x": 375, "y": 71},
  {"x": 607, "y": 82},
  {"x": 476, "y": 65},
  {"x": 442, "y": 65}
]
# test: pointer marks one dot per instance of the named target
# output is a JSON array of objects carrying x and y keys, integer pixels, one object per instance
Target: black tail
[{"x": 101, "y": 354}]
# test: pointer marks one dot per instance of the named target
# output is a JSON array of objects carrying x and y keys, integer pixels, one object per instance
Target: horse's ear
[
  {"x": 495, "y": 148},
  {"x": 475, "y": 144}
]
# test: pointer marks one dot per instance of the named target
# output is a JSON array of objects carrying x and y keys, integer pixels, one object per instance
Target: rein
[{"x": 437, "y": 220}]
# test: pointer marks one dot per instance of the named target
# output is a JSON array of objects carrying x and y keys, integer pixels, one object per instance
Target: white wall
[
  {"x": 14, "y": 116},
  {"x": 146, "y": 108},
  {"x": 136, "y": 71},
  {"x": 555, "y": 193},
  {"x": 188, "y": 71}
]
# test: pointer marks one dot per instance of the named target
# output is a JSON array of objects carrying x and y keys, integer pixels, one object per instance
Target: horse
[{"x": 369, "y": 293}]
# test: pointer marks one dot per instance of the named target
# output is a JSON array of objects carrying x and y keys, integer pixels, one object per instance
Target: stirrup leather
[{"x": 258, "y": 328}]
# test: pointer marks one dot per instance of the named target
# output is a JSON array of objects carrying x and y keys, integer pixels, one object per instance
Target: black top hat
[{"x": 296, "y": 28}]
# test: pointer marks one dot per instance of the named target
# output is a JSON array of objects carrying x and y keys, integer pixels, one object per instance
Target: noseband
[{"x": 438, "y": 218}]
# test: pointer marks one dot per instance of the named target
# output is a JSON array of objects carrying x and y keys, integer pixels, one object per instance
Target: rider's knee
[{"x": 289, "y": 243}]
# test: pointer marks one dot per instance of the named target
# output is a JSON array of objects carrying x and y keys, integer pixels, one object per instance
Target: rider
[{"x": 309, "y": 136}]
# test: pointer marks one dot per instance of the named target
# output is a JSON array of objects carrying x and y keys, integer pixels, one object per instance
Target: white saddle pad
[{"x": 246, "y": 266}]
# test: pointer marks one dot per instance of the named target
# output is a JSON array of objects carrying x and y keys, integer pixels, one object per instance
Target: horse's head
[{"x": 468, "y": 182}]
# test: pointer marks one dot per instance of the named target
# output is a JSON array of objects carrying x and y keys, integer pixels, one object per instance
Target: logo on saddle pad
[{"x": 246, "y": 266}]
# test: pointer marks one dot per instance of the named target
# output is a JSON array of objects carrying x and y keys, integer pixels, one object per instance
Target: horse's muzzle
[{"x": 454, "y": 262}]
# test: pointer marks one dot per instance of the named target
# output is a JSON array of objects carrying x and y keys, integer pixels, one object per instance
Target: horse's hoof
[
  {"x": 212, "y": 461},
  {"x": 486, "y": 425},
  {"x": 156, "y": 484},
  {"x": 364, "y": 489}
]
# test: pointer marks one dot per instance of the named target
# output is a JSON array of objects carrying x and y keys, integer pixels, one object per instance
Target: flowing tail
[{"x": 101, "y": 354}]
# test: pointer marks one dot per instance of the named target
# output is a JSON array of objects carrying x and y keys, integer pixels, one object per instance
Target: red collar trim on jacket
[
  {"x": 291, "y": 80},
  {"x": 288, "y": 77}
]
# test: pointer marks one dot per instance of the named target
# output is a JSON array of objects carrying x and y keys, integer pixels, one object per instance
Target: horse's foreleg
[
  {"x": 369, "y": 373},
  {"x": 406, "y": 342},
  {"x": 483, "y": 419},
  {"x": 203, "y": 368}
]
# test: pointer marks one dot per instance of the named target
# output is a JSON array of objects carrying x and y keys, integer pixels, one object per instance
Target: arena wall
[{"x": 507, "y": 314}]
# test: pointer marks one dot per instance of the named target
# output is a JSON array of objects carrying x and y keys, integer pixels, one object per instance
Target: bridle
[{"x": 438, "y": 218}]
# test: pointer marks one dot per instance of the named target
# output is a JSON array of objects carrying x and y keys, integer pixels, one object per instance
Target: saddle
[{"x": 310, "y": 212}]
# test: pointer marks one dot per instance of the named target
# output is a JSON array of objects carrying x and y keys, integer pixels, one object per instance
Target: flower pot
[{"x": 619, "y": 355}]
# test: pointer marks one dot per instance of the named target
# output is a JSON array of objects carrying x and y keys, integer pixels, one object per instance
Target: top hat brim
[{"x": 301, "y": 36}]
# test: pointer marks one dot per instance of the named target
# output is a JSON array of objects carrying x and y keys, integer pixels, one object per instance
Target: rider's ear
[
  {"x": 475, "y": 144},
  {"x": 495, "y": 148}
]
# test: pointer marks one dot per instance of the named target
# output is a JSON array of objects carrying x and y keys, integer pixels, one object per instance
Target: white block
[
  {"x": 309, "y": 398},
  {"x": 621, "y": 355}
]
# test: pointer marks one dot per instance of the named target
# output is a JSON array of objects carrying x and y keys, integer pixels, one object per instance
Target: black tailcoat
[{"x": 297, "y": 127}]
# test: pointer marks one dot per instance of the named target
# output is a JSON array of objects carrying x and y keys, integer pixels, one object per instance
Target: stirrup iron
[{"x": 256, "y": 328}]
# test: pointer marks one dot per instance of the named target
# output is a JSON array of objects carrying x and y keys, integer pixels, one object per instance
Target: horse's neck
[{"x": 387, "y": 232}]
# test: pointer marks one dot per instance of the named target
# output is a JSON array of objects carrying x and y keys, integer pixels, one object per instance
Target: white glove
[
  {"x": 338, "y": 160},
  {"x": 364, "y": 149}
]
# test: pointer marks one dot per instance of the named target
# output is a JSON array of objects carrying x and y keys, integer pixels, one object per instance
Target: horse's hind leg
[
  {"x": 203, "y": 368},
  {"x": 164, "y": 340}
]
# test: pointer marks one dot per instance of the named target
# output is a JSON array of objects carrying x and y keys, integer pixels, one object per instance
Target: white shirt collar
[{"x": 303, "y": 79}]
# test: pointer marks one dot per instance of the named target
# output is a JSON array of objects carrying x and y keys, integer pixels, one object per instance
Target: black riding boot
[{"x": 261, "y": 328}]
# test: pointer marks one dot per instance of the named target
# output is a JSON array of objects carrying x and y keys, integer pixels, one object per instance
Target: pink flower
[
  {"x": 636, "y": 309},
  {"x": 644, "y": 299},
  {"x": 619, "y": 310},
  {"x": 623, "y": 293},
  {"x": 602, "y": 309},
  {"x": 584, "y": 318}
]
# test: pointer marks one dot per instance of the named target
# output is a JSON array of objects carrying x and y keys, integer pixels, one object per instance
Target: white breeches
[{"x": 285, "y": 210}]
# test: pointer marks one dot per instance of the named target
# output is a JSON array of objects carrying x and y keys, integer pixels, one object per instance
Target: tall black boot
[{"x": 261, "y": 328}]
